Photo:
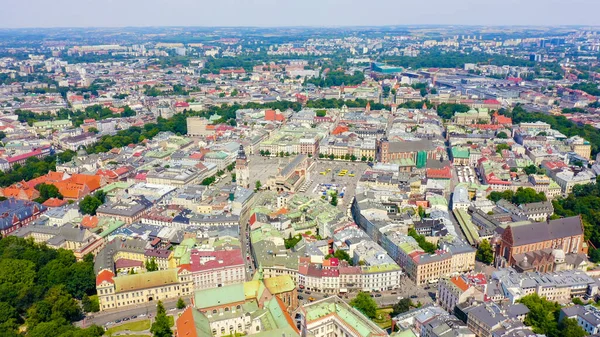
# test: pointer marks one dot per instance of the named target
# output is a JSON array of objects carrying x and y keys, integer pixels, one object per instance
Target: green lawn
[
  {"x": 382, "y": 318},
  {"x": 171, "y": 321},
  {"x": 131, "y": 326}
]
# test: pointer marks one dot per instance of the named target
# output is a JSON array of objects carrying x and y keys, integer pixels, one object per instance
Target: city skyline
[{"x": 310, "y": 13}]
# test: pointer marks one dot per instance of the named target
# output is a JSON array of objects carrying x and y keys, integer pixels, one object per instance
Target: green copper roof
[{"x": 207, "y": 298}]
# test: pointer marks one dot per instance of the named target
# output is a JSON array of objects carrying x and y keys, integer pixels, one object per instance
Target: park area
[{"x": 139, "y": 328}]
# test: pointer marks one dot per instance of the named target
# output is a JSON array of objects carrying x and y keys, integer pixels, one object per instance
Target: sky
[{"x": 273, "y": 13}]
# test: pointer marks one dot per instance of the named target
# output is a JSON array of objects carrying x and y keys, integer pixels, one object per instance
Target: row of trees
[
  {"x": 589, "y": 87},
  {"x": 522, "y": 196},
  {"x": 97, "y": 112},
  {"x": 424, "y": 244},
  {"x": 443, "y": 59}
]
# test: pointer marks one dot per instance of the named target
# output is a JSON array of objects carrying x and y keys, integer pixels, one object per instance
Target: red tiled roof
[
  {"x": 206, "y": 260},
  {"x": 54, "y": 202},
  {"x": 460, "y": 283},
  {"x": 105, "y": 275},
  {"x": 443, "y": 173}
]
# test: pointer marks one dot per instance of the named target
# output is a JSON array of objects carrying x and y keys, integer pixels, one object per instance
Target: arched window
[{"x": 226, "y": 309}]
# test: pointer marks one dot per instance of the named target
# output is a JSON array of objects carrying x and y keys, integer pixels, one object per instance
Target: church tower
[{"x": 242, "y": 170}]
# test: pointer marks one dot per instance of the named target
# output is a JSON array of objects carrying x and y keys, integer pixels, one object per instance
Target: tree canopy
[
  {"x": 522, "y": 196},
  {"x": 161, "y": 326},
  {"x": 39, "y": 287},
  {"x": 485, "y": 253},
  {"x": 447, "y": 110},
  {"x": 543, "y": 318},
  {"x": 337, "y": 78},
  {"x": 365, "y": 304},
  {"x": 90, "y": 203},
  {"x": 424, "y": 244}
]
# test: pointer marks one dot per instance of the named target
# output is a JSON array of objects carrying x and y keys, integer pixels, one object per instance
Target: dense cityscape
[{"x": 407, "y": 181}]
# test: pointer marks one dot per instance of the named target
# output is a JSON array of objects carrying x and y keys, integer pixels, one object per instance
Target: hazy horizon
[{"x": 309, "y": 13}]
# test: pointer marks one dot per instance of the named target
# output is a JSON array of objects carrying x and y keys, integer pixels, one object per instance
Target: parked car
[
  {"x": 377, "y": 295},
  {"x": 125, "y": 319},
  {"x": 300, "y": 297},
  {"x": 307, "y": 292},
  {"x": 413, "y": 296},
  {"x": 133, "y": 317},
  {"x": 118, "y": 321}
]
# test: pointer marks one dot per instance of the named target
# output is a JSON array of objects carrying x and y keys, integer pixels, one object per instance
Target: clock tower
[{"x": 242, "y": 170}]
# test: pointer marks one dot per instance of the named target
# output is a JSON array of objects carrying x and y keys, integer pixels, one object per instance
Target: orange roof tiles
[
  {"x": 460, "y": 283},
  {"x": 105, "y": 275},
  {"x": 89, "y": 221},
  {"x": 185, "y": 324},
  {"x": 20, "y": 191},
  {"x": 54, "y": 202}
]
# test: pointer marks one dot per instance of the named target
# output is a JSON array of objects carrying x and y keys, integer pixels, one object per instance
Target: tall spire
[{"x": 241, "y": 153}]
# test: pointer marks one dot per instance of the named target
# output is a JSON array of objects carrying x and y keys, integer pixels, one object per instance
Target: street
[
  {"x": 406, "y": 289},
  {"x": 148, "y": 309}
]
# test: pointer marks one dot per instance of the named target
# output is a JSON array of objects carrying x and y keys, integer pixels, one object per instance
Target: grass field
[{"x": 131, "y": 326}]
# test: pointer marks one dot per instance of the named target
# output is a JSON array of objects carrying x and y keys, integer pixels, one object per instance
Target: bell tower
[{"x": 242, "y": 170}]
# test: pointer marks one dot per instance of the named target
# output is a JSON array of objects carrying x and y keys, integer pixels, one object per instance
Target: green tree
[
  {"x": 90, "y": 303},
  {"x": 257, "y": 185},
  {"x": 343, "y": 255},
  {"x": 542, "y": 316},
  {"x": 353, "y": 158},
  {"x": 530, "y": 169},
  {"x": 151, "y": 265},
  {"x": 569, "y": 328},
  {"x": 47, "y": 191},
  {"x": 93, "y": 130},
  {"x": 501, "y": 147},
  {"x": 502, "y": 135},
  {"x": 484, "y": 252},
  {"x": 208, "y": 181},
  {"x": 331, "y": 156},
  {"x": 363, "y": 158},
  {"x": 180, "y": 303},
  {"x": 424, "y": 244},
  {"x": 161, "y": 327},
  {"x": 365, "y": 304},
  {"x": 334, "y": 199},
  {"x": 402, "y": 306},
  {"x": 89, "y": 205}
]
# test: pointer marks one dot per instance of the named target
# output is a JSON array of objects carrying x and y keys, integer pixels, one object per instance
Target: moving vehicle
[
  {"x": 312, "y": 299},
  {"x": 323, "y": 173}
]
